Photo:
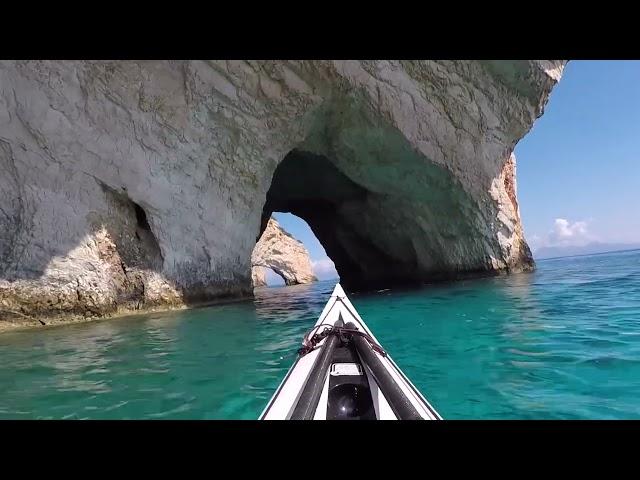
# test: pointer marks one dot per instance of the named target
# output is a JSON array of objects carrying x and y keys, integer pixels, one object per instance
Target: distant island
[{"x": 589, "y": 249}]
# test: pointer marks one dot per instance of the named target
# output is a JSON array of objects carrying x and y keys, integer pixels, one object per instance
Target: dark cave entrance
[{"x": 312, "y": 188}]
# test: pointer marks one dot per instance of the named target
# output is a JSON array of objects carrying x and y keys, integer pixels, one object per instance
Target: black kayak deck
[{"x": 349, "y": 396}]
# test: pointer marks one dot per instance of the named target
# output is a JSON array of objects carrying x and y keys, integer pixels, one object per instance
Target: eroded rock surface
[
  {"x": 283, "y": 254},
  {"x": 129, "y": 184},
  {"x": 259, "y": 276}
]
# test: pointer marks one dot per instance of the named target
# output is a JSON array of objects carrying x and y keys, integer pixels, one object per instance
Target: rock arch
[
  {"x": 415, "y": 174},
  {"x": 280, "y": 252}
]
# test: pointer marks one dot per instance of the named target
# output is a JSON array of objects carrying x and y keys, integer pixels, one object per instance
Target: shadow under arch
[{"x": 311, "y": 187}]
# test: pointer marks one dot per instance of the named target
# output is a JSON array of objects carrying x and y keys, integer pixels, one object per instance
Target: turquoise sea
[{"x": 560, "y": 343}]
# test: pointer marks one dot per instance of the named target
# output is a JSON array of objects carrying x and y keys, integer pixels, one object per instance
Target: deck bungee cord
[{"x": 345, "y": 335}]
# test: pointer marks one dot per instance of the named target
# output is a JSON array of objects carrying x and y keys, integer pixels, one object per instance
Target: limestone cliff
[
  {"x": 259, "y": 276},
  {"x": 133, "y": 184},
  {"x": 283, "y": 254}
]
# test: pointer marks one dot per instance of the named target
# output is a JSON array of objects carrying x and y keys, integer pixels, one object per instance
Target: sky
[{"x": 578, "y": 169}]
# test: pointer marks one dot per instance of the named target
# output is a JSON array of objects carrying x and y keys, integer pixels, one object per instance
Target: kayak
[{"x": 343, "y": 373}]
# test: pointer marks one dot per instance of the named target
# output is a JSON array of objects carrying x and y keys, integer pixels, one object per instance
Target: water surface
[{"x": 560, "y": 343}]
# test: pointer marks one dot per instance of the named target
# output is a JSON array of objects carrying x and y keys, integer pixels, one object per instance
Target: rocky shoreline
[{"x": 13, "y": 321}]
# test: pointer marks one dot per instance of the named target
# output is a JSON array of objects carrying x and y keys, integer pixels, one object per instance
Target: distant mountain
[{"x": 589, "y": 249}]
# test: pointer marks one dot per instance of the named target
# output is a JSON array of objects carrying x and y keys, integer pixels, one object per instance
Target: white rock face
[
  {"x": 259, "y": 276},
  {"x": 283, "y": 254},
  {"x": 132, "y": 184}
]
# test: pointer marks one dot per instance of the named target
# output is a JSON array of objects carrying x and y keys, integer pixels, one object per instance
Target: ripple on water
[{"x": 563, "y": 342}]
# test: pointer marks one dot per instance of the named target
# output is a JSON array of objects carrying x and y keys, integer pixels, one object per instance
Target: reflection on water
[{"x": 563, "y": 342}]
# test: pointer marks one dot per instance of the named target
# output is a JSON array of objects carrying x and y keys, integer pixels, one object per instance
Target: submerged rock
[
  {"x": 132, "y": 184},
  {"x": 283, "y": 254}
]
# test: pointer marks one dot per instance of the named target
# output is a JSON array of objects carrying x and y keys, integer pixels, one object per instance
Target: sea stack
[{"x": 279, "y": 251}]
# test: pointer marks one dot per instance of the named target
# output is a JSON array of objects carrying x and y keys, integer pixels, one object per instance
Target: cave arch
[
  {"x": 260, "y": 277},
  {"x": 403, "y": 172},
  {"x": 311, "y": 187},
  {"x": 381, "y": 237}
]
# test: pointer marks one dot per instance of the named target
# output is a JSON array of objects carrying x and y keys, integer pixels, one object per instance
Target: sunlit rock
[
  {"x": 128, "y": 185},
  {"x": 280, "y": 252}
]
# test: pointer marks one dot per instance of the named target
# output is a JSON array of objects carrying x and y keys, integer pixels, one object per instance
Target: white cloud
[
  {"x": 564, "y": 233},
  {"x": 324, "y": 269}
]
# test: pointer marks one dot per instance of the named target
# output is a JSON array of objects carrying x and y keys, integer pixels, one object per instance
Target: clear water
[{"x": 561, "y": 343}]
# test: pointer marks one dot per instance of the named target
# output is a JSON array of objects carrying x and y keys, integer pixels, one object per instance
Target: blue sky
[
  {"x": 578, "y": 169},
  {"x": 580, "y": 162}
]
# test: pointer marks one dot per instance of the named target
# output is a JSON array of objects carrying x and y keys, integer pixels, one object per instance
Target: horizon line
[{"x": 589, "y": 254}]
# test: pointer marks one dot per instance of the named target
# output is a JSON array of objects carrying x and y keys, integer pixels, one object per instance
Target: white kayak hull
[{"x": 346, "y": 375}]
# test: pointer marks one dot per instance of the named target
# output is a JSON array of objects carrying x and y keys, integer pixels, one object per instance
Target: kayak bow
[{"x": 342, "y": 373}]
